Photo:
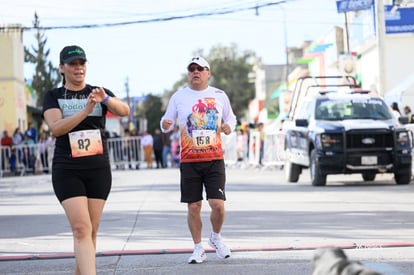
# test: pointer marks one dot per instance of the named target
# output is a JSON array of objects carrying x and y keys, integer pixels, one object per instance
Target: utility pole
[
  {"x": 128, "y": 101},
  {"x": 381, "y": 45}
]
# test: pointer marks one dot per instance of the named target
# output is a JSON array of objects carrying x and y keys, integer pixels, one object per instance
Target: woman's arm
[{"x": 60, "y": 126}]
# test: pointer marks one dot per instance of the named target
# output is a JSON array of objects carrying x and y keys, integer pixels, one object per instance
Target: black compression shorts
[
  {"x": 194, "y": 176},
  {"x": 91, "y": 183}
]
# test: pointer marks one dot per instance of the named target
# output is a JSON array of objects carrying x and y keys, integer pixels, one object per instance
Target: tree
[
  {"x": 230, "y": 72},
  {"x": 46, "y": 76},
  {"x": 151, "y": 110}
]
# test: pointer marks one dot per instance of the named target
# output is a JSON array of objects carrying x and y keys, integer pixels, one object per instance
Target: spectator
[
  {"x": 158, "y": 146},
  {"x": 241, "y": 145},
  {"x": 408, "y": 114},
  {"x": 175, "y": 151},
  {"x": 29, "y": 153},
  {"x": 17, "y": 153},
  {"x": 45, "y": 143},
  {"x": 166, "y": 149},
  {"x": 147, "y": 144},
  {"x": 395, "y": 110},
  {"x": 17, "y": 136},
  {"x": 31, "y": 132},
  {"x": 261, "y": 144},
  {"x": 6, "y": 144},
  {"x": 175, "y": 146}
]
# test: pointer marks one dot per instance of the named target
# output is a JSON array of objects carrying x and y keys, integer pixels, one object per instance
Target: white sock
[
  {"x": 215, "y": 235},
  {"x": 198, "y": 245}
]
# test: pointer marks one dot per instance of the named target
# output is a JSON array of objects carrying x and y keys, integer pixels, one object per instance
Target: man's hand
[
  {"x": 166, "y": 124},
  {"x": 225, "y": 128}
]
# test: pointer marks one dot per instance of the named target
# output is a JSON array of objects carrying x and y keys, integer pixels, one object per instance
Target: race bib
[
  {"x": 204, "y": 138},
  {"x": 85, "y": 143}
]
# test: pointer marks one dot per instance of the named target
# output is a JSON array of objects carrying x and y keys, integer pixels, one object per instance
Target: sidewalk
[{"x": 144, "y": 230}]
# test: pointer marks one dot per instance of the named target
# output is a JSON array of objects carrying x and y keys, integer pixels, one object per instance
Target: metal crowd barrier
[
  {"x": 124, "y": 153},
  {"x": 272, "y": 154},
  {"x": 127, "y": 153},
  {"x": 25, "y": 159}
]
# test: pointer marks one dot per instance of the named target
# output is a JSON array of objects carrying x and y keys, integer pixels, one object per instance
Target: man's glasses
[{"x": 198, "y": 68}]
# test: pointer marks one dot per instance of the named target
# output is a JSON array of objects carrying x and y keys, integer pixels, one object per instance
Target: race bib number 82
[{"x": 85, "y": 143}]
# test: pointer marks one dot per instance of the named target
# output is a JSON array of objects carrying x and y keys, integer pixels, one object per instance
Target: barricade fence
[
  {"x": 127, "y": 153},
  {"x": 124, "y": 153}
]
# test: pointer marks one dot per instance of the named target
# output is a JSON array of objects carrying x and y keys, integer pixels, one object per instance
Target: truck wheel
[
  {"x": 369, "y": 176},
  {"x": 402, "y": 179},
  {"x": 292, "y": 171},
  {"x": 317, "y": 178}
]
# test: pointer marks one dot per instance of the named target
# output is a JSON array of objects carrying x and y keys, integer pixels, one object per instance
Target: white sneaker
[
  {"x": 222, "y": 250},
  {"x": 199, "y": 255}
]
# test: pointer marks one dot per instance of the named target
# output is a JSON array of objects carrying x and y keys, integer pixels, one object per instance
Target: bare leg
[
  {"x": 84, "y": 216},
  {"x": 194, "y": 220},
  {"x": 217, "y": 214}
]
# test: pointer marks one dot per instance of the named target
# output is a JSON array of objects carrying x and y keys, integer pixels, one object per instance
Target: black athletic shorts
[
  {"x": 91, "y": 183},
  {"x": 195, "y": 175}
]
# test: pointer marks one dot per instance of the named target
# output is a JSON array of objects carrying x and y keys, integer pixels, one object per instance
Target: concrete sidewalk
[{"x": 144, "y": 230}]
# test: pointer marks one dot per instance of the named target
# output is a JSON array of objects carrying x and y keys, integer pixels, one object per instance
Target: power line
[{"x": 153, "y": 20}]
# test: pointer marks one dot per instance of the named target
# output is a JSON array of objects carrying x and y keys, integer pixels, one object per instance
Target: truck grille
[{"x": 374, "y": 139}]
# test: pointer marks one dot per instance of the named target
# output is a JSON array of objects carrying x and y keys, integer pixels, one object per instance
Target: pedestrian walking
[
  {"x": 203, "y": 112},
  {"x": 81, "y": 173}
]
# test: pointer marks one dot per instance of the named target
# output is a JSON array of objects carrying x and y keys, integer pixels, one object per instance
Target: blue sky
[{"x": 153, "y": 56}]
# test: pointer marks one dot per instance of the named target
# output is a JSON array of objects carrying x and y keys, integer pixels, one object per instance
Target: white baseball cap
[{"x": 199, "y": 61}]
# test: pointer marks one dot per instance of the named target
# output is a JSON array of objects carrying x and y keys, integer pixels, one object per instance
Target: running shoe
[
  {"x": 198, "y": 256},
  {"x": 222, "y": 250}
]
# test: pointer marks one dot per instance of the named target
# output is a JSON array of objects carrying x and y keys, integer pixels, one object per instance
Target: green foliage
[
  {"x": 46, "y": 76},
  {"x": 151, "y": 110},
  {"x": 230, "y": 72}
]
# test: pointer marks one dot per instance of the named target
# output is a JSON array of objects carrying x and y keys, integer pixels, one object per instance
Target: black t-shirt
[{"x": 69, "y": 103}]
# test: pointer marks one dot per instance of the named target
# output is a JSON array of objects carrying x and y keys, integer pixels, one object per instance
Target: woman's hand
[{"x": 98, "y": 95}]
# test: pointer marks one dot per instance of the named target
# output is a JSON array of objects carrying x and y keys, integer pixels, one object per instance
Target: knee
[
  {"x": 82, "y": 230},
  {"x": 194, "y": 208},
  {"x": 216, "y": 205}
]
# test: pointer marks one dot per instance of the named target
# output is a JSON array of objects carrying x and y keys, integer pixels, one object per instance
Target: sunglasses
[{"x": 198, "y": 68}]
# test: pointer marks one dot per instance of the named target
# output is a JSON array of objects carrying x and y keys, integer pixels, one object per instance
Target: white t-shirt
[{"x": 200, "y": 115}]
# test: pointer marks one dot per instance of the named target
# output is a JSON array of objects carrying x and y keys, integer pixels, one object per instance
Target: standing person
[
  {"x": 395, "y": 110},
  {"x": 16, "y": 157},
  {"x": 158, "y": 147},
  {"x": 147, "y": 142},
  {"x": 175, "y": 146},
  {"x": 17, "y": 136},
  {"x": 44, "y": 144},
  {"x": 81, "y": 173},
  {"x": 6, "y": 145},
  {"x": 408, "y": 114},
  {"x": 261, "y": 140},
  {"x": 166, "y": 148},
  {"x": 31, "y": 132},
  {"x": 241, "y": 145},
  {"x": 203, "y": 112}
]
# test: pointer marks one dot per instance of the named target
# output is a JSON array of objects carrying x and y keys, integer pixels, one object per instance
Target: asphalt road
[{"x": 273, "y": 227}]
